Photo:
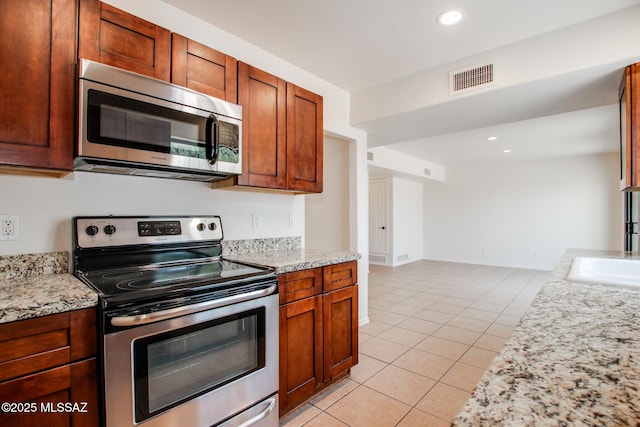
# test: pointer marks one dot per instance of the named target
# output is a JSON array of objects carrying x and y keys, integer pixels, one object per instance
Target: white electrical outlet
[
  {"x": 256, "y": 220},
  {"x": 8, "y": 227},
  {"x": 293, "y": 220}
]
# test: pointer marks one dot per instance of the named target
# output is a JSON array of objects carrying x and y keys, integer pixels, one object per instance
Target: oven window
[{"x": 176, "y": 366}]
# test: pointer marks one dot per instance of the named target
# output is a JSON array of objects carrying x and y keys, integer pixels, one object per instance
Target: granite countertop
[
  {"x": 574, "y": 359},
  {"x": 286, "y": 261},
  {"x": 36, "y": 285}
]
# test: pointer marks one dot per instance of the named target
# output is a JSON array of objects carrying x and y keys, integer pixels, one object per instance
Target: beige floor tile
[
  {"x": 434, "y": 316},
  {"x": 378, "y": 303},
  {"x": 374, "y": 328},
  {"x": 426, "y": 364},
  {"x": 419, "y": 325},
  {"x": 403, "y": 309},
  {"x": 417, "y": 418},
  {"x": 447, "y": 308},
  {"x": 487, "y": 316},
  {"x": 362, "y": 337},
  {"x": 498, "y": 330},
  {"x": 366, "y": 407},
  {"x": 383, "y": 350},
  {"x": 490, "y": 342},
  {"x": 478, "y": 357},
  {"x": 386, "y": 317},
  {"x": 300, "y": 416},
  {"x": 402, "y": 336},
  {"x": 463, "y": 376},
  {"x": 488, "y": 306},
  {"x": 405, "y": 386},
  {"x": 441, "y": 347},
  {"x": 460, "y": 335},
  {"x": 333, "y": 393},
  {"x": 460, "y": 302},
  {"x": 505, "y": 319},
  {"x": 443, "y": 401},
  {"x": 366, "y": 368},
  {"x": 392, "y": 298},
  {"x": 468, "y": 323},
  {"x": 325, "y": 420},
  {"x": 419, "y": 302}
]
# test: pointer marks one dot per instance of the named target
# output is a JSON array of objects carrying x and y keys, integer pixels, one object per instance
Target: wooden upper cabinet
[
  {"x": 304, "y": 140},
  {"x": 282, "y": 139},
  {"x": 263, "y": 98},
  {"x": 117, "y": 38},
  {"x": 203, "y": 69},
  {"x": 37, "y": 87},
  {"x": 630, "y": 128}
]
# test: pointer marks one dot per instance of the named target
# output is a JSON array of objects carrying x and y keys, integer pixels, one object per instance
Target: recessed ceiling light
[
  {"x": 506, "y": 150},
  {"x": 492, "y": 138},
  {"x": 450, "y": 17}
]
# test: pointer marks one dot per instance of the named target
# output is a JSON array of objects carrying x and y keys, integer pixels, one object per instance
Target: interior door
[{"x": 378, "y": 230}]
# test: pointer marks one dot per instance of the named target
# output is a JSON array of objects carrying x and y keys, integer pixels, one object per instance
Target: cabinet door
[
  {"x": 300, "y": 351},
  {"x": 264, "y": 113},
  {"x": 202, "y": 68},
  {"x": 117, "y": 38},
  {"x": 304, "y": 140},
  {"x": 44, "y": 391},
  {"x": 37, "y": 47},
  {"x": 340, "y": 331}
]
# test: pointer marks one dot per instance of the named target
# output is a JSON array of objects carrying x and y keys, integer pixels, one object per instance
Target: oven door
[{"x": 199, "y": 369}]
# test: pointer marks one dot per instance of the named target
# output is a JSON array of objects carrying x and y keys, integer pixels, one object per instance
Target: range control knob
[
  {"x": 201, "y": 227},
  {"x": 212, "y": 226},
  {"x": 109, "y": 229},
  {"x": 92, "y": 230}
]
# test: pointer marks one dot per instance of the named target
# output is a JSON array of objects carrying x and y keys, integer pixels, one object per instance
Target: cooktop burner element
[{"x": 129, "y": 259}]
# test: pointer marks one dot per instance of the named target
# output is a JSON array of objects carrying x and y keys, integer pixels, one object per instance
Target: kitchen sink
[{"x": 606, "y": 271}]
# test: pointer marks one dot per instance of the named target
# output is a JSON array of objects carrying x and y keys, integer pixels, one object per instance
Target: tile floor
[{"x": 434, "y": 329}]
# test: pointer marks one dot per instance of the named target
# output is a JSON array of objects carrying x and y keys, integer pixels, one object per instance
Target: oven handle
[
  {"x": 251, "y": 421},
  {"x": 143, "y": 319}
]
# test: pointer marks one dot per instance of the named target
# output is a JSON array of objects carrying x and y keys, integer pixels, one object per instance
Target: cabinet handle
[{"x": 212, "y": 139}]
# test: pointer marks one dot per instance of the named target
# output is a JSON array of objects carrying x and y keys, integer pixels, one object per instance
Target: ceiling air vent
[
  {"x": 369, "y": 155},
  {"x": 474, "y": 78}
]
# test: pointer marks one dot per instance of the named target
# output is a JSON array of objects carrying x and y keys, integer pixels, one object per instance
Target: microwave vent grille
[{"x": 472, "y": 78}]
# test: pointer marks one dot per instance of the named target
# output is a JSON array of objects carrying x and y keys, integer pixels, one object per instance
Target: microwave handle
[{"x": 212, "y": 139}]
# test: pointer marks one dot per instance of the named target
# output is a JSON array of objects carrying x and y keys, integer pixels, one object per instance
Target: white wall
[
  {"x": 407, "y": 228},
  {"x": 45, "y": 206},
  {"x": 327, "y": 214},
  {"x": 523, "y": 213}
]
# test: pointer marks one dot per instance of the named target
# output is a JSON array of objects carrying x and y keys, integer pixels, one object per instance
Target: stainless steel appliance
[
  {"x": 135, "y": 125},
  {"x": 187, "y": 337}
]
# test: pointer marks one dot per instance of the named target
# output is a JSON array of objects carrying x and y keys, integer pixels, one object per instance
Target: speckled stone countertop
[
  {"x": 574, "y": 359},
  {"x": 34, "y": 285},
  {"x": 286, "y": 261}
]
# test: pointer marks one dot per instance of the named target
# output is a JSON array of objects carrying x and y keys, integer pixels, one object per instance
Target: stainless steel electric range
[{"x": 187, "y": 338}]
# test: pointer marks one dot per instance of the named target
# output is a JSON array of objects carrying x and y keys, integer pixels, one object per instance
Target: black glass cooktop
[{"x": 192, "y": 276}]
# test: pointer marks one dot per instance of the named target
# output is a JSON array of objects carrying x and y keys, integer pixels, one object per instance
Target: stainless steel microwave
[{"x": 135, "y": 125}]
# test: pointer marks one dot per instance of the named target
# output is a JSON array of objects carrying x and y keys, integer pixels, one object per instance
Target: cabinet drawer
[
  {"x": 338, "y": 276},
  {"x": 300, "y": 284},
  {"x": 33, "y": 345}
]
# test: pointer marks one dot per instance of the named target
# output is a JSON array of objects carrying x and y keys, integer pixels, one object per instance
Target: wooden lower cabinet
[
  {"x": 301, "y": 369},
  {"x": 318, "y": 331},
  {"x": 48, "y": 373}
]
